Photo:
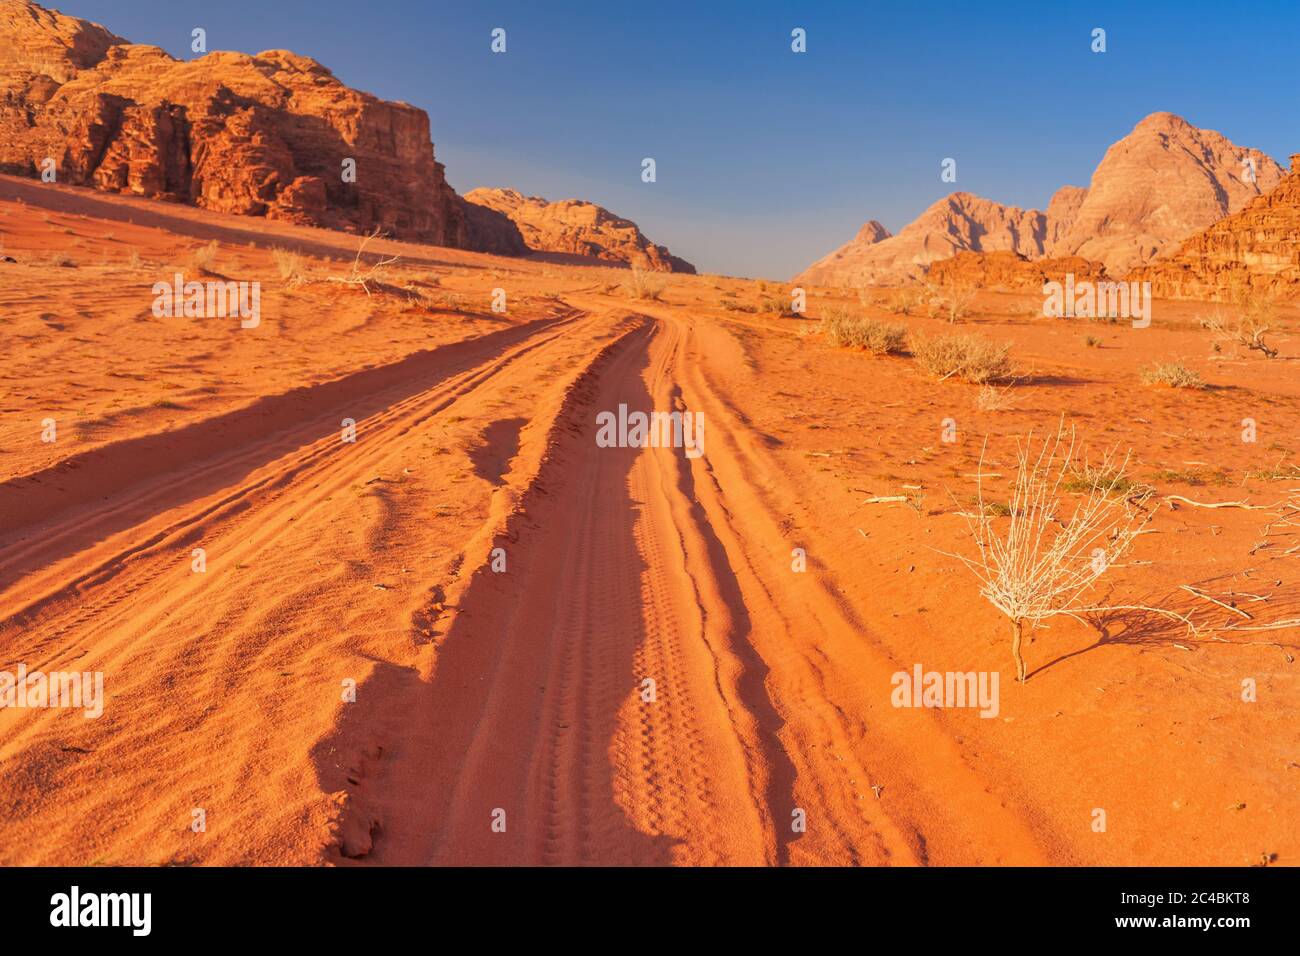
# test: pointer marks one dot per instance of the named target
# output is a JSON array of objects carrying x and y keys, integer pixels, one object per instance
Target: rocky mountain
[
  {"x": 1255, "y": 248},
  {"x": 570, "y": 226},
  {"x": 1159, "y": 184},
  {"x": 264, "y": 135},
  {"x": 960, "y": 222},
  {"x": 871, "y": 232},
  {"x": 1062, "y": 211}
]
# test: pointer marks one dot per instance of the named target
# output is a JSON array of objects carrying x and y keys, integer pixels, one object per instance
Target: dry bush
[
  {"x": 845, "y": 329},
  {"x": 204, "y": 258},
  {"x": 951, "y": 297},
  {"x": 991, "y": 398},
  {"x": 289, "y": 264},
  {"x": 1042, "y": 559},
  {"x": 61, "y": 260},
  {"x": 1258, "y": 309},
  {"x": 775, "y": 305},
  {"x": 133, "y": 260},
  {"x": 967, "y": 357},
  {"x": 375, "y": 273},
  {"x": 645, "y": 285},
  {"x": 1173, "y": 375},
  {"x": 1288, "y": 517},
  {"x": 902, "y": 301},
  {"x": 731, "y": 306}
]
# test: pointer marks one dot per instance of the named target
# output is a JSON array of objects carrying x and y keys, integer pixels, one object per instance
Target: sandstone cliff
[
  {"x": 1257, "y": 248},
  {"x": 572, "y": 227},
  {"x": 263, "y": 135},
  {"x": 1011, "y": 271}
]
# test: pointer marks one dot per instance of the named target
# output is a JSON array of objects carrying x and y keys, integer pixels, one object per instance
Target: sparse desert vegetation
[
  {"x": 1252, "y": 326},
  {"x": 660, "y": 645},
  {"x": 902, "y": 301},
  {"x": 952, "y": 297},
  {"x": 289, "y": 265},
  {"x": 968, "y": 357},
  {"x": 363, "y": 276},
  {"x": 852, "y": 330},
  {"x": 204, "y": 258},
  {"x": 776, "y": 305},
  {"x": 1044, "y": 559},
  {"x": 1172, "y": 374},
  {"x": 995, "y": 398},
  {"x": 643, "y": 284}
]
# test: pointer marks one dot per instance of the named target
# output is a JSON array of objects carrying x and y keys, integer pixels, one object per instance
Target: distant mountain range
[{"x": 1155, "y": 187}]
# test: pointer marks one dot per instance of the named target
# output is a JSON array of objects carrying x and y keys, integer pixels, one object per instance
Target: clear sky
[{"x": 769, "y": 159}]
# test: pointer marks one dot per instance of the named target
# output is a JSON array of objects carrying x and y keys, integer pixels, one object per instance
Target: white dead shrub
[
  {"x": 1042, "y": 559},
  {"x": 364, "y": 276}
]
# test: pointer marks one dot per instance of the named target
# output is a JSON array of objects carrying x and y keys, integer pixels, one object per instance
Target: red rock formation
[
  {"x": 871, "y": 233},
  {"x": 575, "y": 228},
  {"x": 492, "y": 230},
  {"x": 1062, "y": 211},
  {"x": 1154, "y": 187},
  {"x": 1256, "y": 248},
  {"x": 261, "y": 135},
  {"x": 1011, "y": 271},
  {"x": 960, "y": 222},
  {"x": 1158, "y": 185}
]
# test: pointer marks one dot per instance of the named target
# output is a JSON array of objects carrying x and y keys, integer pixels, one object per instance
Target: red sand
[{"x": 522, "y": 691}]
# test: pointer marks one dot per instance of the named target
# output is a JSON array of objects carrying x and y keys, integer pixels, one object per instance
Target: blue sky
[{"x": 768, "y": 159}]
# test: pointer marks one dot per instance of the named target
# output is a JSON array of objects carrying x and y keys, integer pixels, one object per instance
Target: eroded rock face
[
  {"x": 491, "y": 230},
  {"x": 1158, "y": 185},
  {"x": 1257, "y": 248},
  {"x": 1011, "y": 271},
  {"x": 1153, "y": 188},
  {"x": 871, "y": 233},
  {"x": 262, "y": 135},
  {"x": 573, "y": 227},
  {"x": 1062, "y": 211},
  {"x": 960, "y": 222}
]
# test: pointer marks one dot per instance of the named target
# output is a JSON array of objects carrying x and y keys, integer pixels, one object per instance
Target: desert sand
[{"x": 519, "y": 694}]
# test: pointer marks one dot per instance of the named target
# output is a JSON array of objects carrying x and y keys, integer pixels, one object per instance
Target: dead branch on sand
[
  {"x": 1046, "y": 561},
  {"x": 1217, "y": 504},
  {"x": 375, "y": 273}
]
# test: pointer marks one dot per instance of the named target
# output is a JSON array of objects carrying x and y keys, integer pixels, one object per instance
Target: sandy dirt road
[
  {"x": 475, "y": 636},
  {"x": 623, "y": 565},
  {"x": 649, "y": 564}
]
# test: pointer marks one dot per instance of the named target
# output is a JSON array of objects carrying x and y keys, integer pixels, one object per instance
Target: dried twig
[
  {"x": 1217, "y": 504},
  {"x": 1227, "y": 607},
  {"x": 374, "y": 274}
]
